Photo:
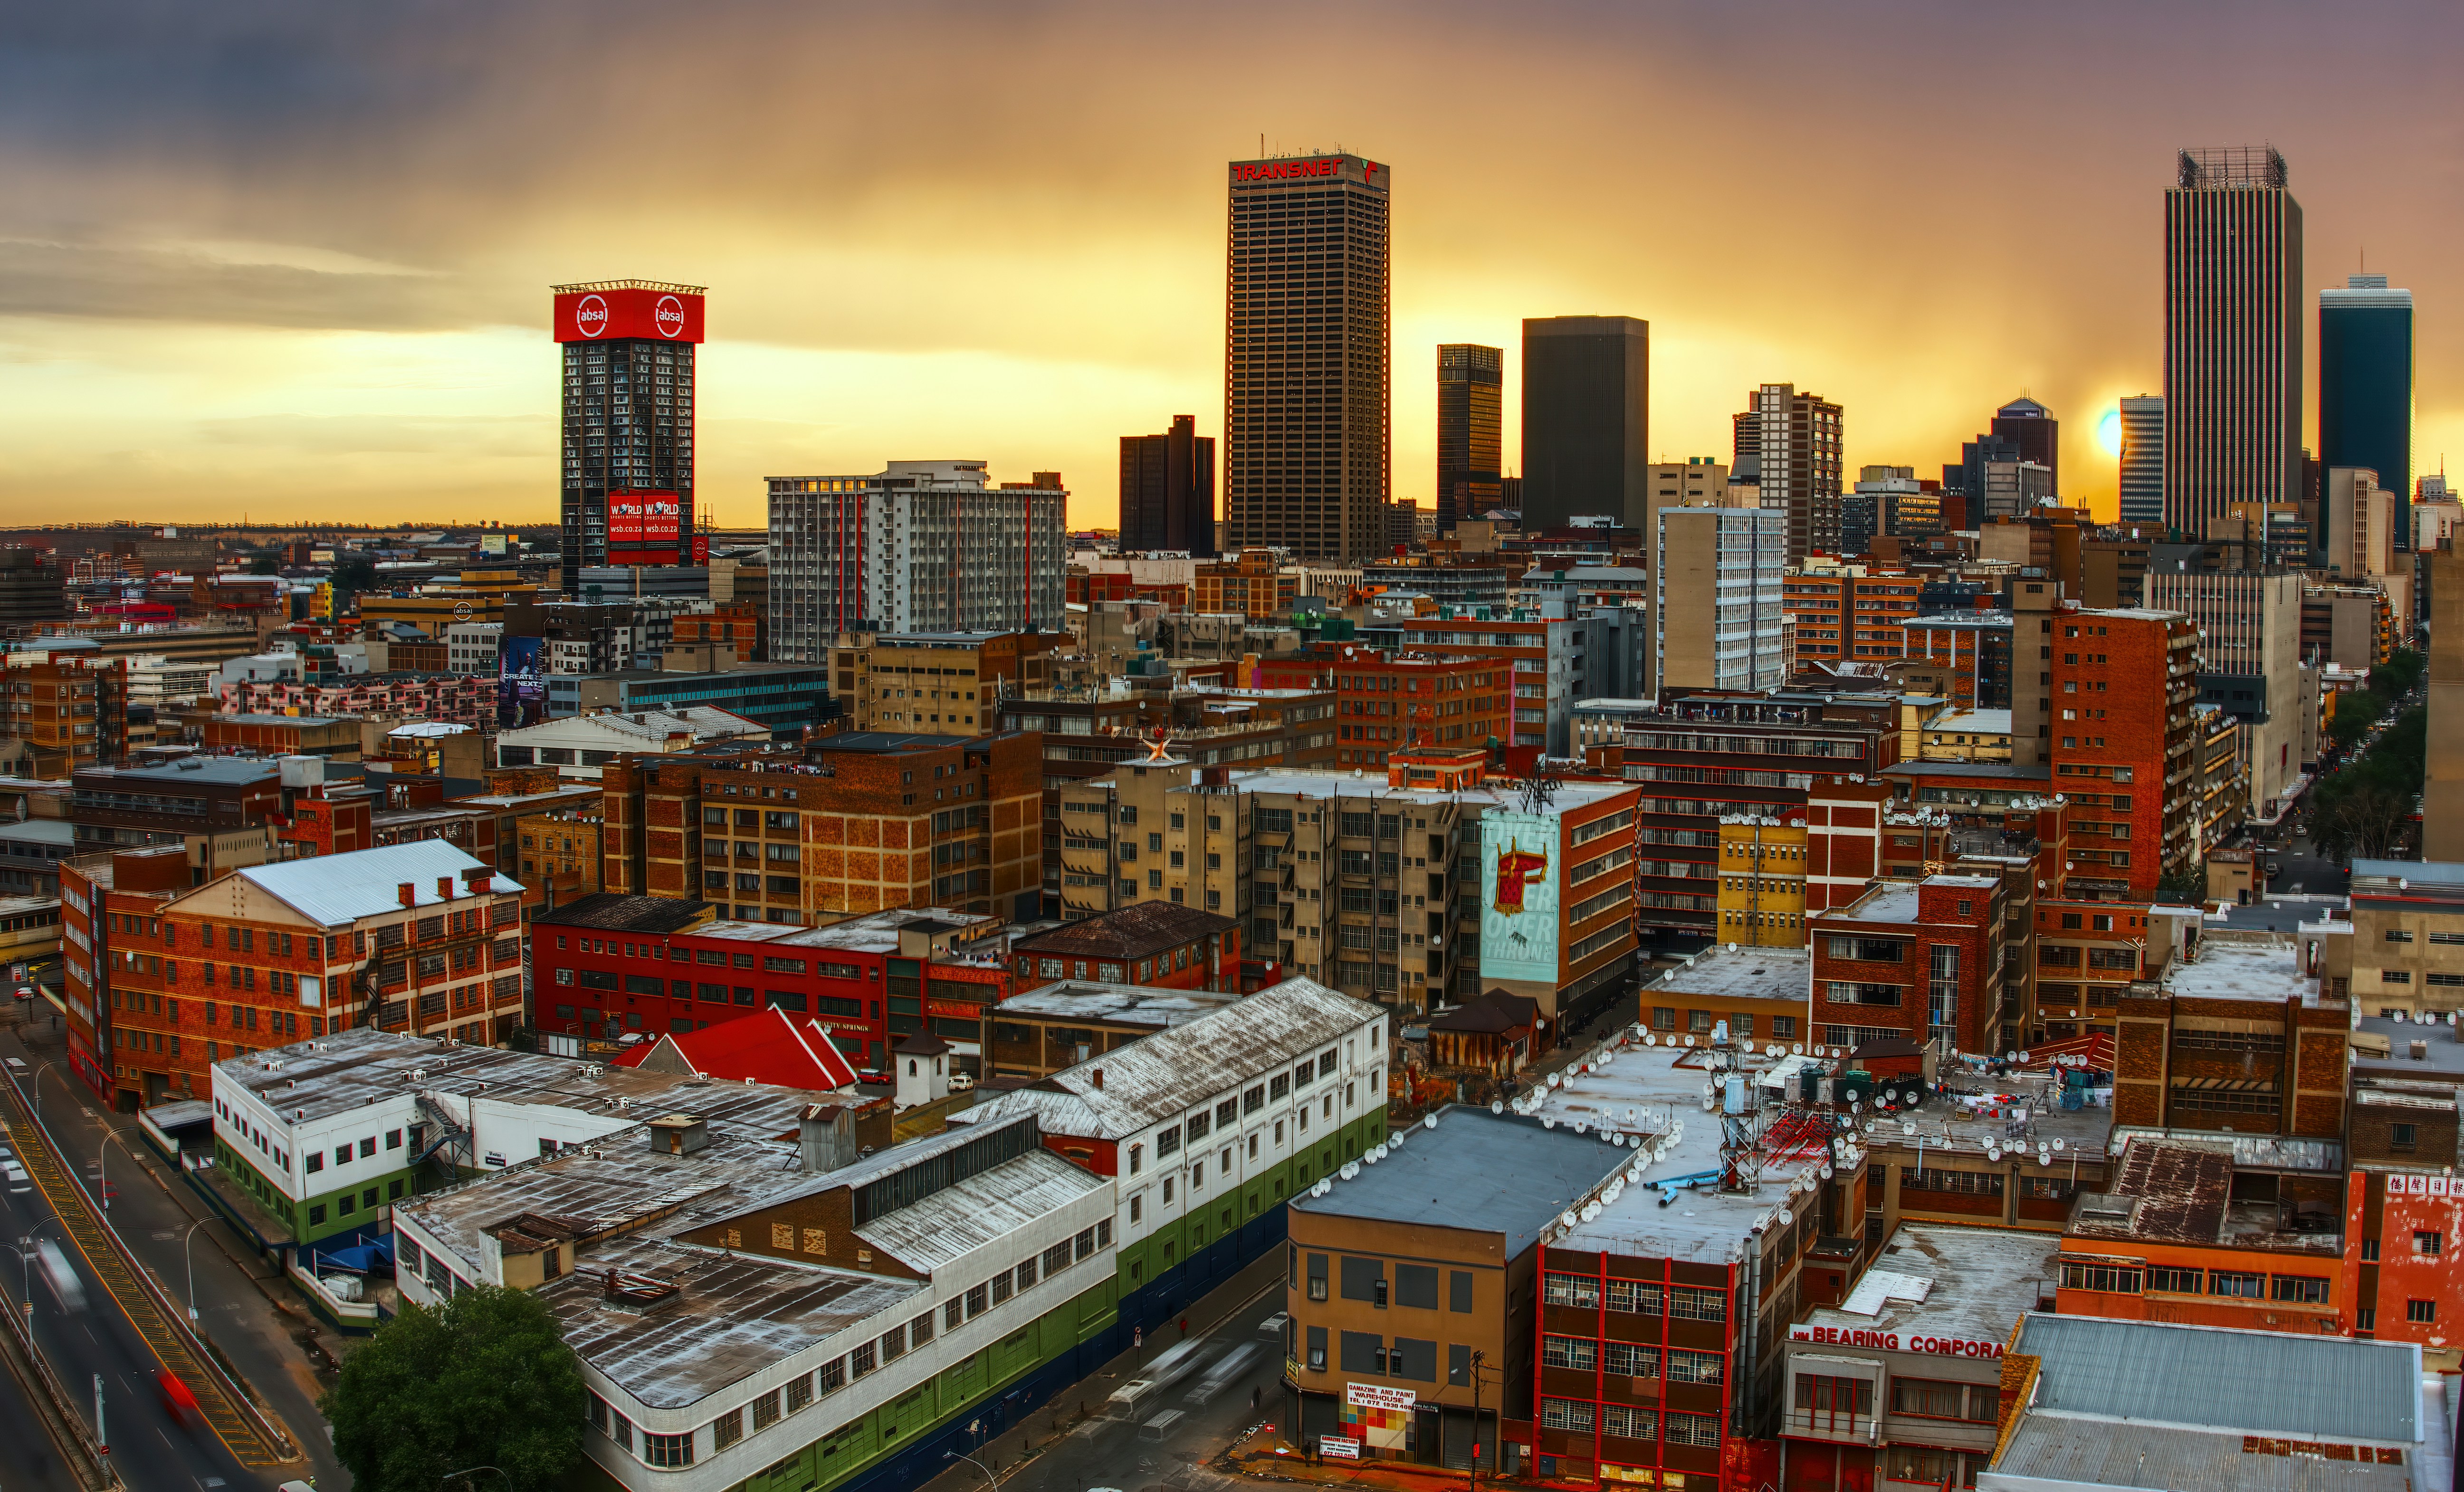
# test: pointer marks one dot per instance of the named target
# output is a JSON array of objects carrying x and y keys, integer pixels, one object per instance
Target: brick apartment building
[
  {"x": 2124, "y": 742},
  {"x": 1389, "y": 702},
  {"x": 1850, "y": 612},
  {"x": 1914, "y": 959},
  {"x": 70, "y": 708},
  {"x": 2234, "y": 1039},
  {"x": 859, "y": 822},
  {"x": 1154, "y": 944},
  {"x": 1706, "y": 756},
  {"x": 419, "y": 939},
  {"x": 944, "y": 683},
  {"x": 2404, "y": 1206}
]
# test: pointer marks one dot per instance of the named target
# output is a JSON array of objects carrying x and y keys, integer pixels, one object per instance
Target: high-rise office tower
[
  {"x": 2233, "y": 338},
  {"x": 1168, "y": 490},
  {"x": 1798, "y": 463},
  {"x": 1586, "y": 419},
  {"x": 2032, "y": 427},
  {"x": 628, "y": 463},
  {"x": 1725, "y": 569},
  {"x": 2365, "y": 386},
  {"x": 2143, "y": 460},
  {"x": 1305, "y": 364},
  {"x": 1471, "y": 404}
]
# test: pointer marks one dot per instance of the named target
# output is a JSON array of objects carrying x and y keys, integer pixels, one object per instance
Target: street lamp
[
  {"x": 468, "y": 1471},
  {"x": 39, "y": 1087},
  {"x": 190, "y": 1259},
  {"x": 102, "y": 1175},
  {"x": 990, "y": 1479}
]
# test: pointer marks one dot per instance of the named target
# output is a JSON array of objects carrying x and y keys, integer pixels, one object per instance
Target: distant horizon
[{"x": 323, "y": 281}]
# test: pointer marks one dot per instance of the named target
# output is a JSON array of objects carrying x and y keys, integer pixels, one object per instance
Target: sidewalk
[{"x": 1265, "y": 1457}]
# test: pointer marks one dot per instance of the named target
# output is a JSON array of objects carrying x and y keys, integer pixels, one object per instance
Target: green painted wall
[
  {"x": 1198, "y": 1227},
  {"x": 859, "y": 1442}
]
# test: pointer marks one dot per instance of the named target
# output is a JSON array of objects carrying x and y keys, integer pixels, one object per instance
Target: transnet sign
[
  {"x": 1308, "y": 168},
  {"x": 603, "y": 315}
]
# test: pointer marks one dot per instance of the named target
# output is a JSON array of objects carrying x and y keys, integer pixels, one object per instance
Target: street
[
  {"x": 156, "y": 1216},
  {"x": 1112, "y": 1453}
]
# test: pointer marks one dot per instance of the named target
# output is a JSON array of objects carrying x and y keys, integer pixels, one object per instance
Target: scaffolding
[{"x": 2225, "y": 167}]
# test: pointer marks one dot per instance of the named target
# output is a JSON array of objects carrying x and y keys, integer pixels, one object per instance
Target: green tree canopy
[
  {"x": 2366, "y": 808},
  {"x": 2355, "y": 713},
  {"x": 2395, "y": 678},
  {"x": 483, "y": 1381}
]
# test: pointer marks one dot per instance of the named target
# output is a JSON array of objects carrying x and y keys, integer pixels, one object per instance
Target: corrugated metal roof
[
  {"x": 336, "y": 890},
  {"x": 966, "y": 1215},
  {"x": 2317, "y": 1388},
  {"x": 2054, "y": 1449},
  {"x": 1161, "y": 1076}
]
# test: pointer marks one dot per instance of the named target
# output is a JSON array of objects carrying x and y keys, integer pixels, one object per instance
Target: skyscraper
[
  {"x": 1799, "y": 462},
  {"x": 2365, "y": 386},
  {"x": 627, "y": 462},
  {"x": 2032, "y": 427},
  {"x": 1168, "y": 490},
  {"x": 1306, "y": 356},
  {"x": 2233, "y": 338},
  {"x": 2143, "y": 460},
  {"x": 1471, "y": 404},
  {"x": 1586, "y": 419}
]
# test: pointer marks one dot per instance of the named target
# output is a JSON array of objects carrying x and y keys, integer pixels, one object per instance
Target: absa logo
[
  {"x": 590, "y": 316},
  {"x": 668, "y": 316}
]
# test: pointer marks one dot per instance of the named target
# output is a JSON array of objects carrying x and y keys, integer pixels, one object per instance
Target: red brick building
[
  {"x": 858, "y": 823},
  {"x": 610, "y": 967},
  {"x": 2124, "y": 744},
  {"x": 1156, "y": 944},
  {"x": 1391, "y": 702},
  {"x": 1913, "y": 960}
]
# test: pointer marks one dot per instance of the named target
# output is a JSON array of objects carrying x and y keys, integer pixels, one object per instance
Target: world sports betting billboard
[
  {"x": 585, "y": 314},
  {"x": 1518, "y": 895},
  {"x": 643, "y": 518}
]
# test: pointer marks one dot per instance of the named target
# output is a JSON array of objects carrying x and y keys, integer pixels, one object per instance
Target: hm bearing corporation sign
[{"x": 1896, "y": 1342}]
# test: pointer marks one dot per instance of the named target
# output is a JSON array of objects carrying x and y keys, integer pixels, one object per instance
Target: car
[{"x": 961, "y": 1083}]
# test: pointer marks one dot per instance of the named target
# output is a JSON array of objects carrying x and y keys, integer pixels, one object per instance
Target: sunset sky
[{"x": 293, "y": 261}]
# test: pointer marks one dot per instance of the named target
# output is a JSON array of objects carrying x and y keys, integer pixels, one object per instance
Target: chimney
[
  {"x": 475, "y": 879},
  {"x": 408, "y": 894},
  {"x": 824, "y": 1137},
  {"x": 444, "y": 888},
  {"x": 1099, "y": 1080}
]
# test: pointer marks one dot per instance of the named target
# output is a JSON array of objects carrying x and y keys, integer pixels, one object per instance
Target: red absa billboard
[
  {"x": 604, "y": 315},
  {"x": 643, "y": 518}
]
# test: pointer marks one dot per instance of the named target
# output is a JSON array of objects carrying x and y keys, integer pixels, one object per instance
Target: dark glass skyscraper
[
  {"x": 1471, "y": 404},
  {"x": 1586, "y": 419},
  {"x": 2143, "y": 461},
  {"x": 1307, "y": 376},
  {"x": 627, "y": 495},
  {"x": 2233, "y": 338},
  {"x": 1168, "y": 490},
  {"x": 2033, "y": 429},
  {"x": 2365, "y": 386}
]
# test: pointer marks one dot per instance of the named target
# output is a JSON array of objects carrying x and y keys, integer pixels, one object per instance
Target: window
[
  {"x": 1566, "y": 1414},
  {"x": 1684, "y": 1367},
  {"x": 1694, "y": 1430},
  {"x": 1833, "y": 1404},
  {"x": 1935, "y": 1399},
  {"x": 1627, "y": 1422},
  {"x": 2180, "y": 1281},
  {"x": 1562, "y": 1352},
  {"x": 2236, "y": 1284},
  {"x": 1687, "y": 1303},
  {"x": 1581, "y": 1291},
  {"x": 668, "y": 1450},
  {"x": 1629, "y": 1360},
  {"x": 2109, "y": 1278},
  {"x": 1634, "y": 1297},
  {"x": 2298, "y": 1289},
  {"x": 2421, "y": 1312}
]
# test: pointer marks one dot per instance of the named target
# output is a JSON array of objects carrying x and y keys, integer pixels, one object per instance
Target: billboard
[
  {"x": 493, "y": 546},
  {"x": 1518, "y": 890},
  {"x": 643, "y": 518},
  {"x": 521, "y": 681},
  {"x": 585, "y": 314}
]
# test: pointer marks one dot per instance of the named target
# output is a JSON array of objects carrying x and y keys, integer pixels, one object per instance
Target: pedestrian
[
  {"x": 1138, "y": 1338},
  {"x": 1254, "y": 1392},
  {"x": 1184, "y": 1326}
]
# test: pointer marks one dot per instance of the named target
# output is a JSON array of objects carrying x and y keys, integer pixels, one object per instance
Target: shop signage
[
  {"x": 1896, "y": 1341},
  {"x": 1376, "y": 1396},
  {"x": 2416, "y": 1184},
  {"x": 1338, "y": 1447}
]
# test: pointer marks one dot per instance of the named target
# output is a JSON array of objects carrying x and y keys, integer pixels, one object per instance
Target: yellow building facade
[{"x": 1762, "y": 882}]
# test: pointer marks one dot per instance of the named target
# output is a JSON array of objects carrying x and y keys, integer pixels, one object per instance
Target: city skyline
[{"x": 321, "y": 286}]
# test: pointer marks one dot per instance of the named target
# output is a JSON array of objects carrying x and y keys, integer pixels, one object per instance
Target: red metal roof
[{"x": 770, "y": 1047}]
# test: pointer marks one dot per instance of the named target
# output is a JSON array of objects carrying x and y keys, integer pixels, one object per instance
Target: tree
[
  {"x": 2395, "y": 678},
  {"x": 2184, "y": 885},
  {"x": 2356, "y": 713},
  {"x": 483, "y": 1381}
]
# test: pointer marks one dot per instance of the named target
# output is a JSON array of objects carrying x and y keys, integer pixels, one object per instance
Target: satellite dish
[
  {"x": 1687, "y": 1039},
  {"x": 1649, "y": 1039},
  {"x": 2057, "y": 1143},
  {"x": 2010, "y": 1055},
  {"x": 1428, "y": 1121},
  {"x": 1796, "y": 1049},
  {"x": 1496, "y": 1105},
  {"x": 1547, "y": 1121},
  {"x": 2023, "y": 1054},
  {"x": 1567, "y": 1219}
]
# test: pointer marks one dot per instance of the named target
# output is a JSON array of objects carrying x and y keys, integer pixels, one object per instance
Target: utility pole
[{"x": 1477, "y": 1357}]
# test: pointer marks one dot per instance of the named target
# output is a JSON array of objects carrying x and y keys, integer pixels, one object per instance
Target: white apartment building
[{"x": 924, "y": 546}]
